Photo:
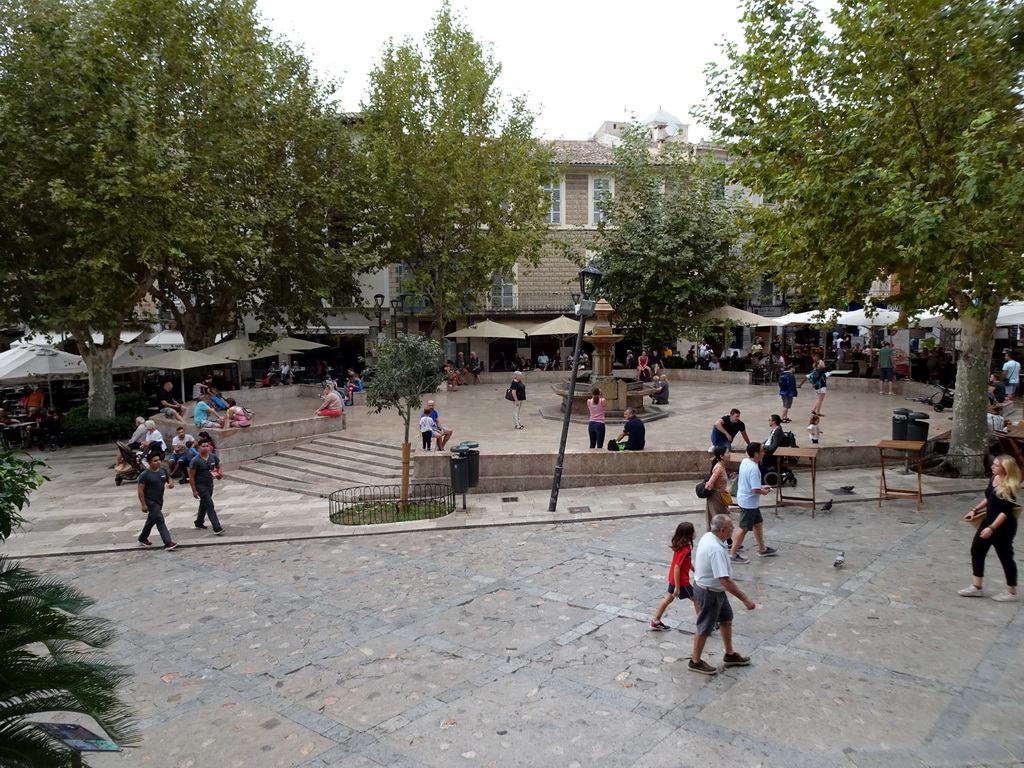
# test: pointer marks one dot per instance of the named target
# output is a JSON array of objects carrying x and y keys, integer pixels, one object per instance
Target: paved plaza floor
[
  {"x": 509, "y": 636},
  {"x": 516, "y": 645}
]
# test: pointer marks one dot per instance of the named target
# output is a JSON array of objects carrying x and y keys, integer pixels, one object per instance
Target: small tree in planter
[{"x": 406, "y": 368}]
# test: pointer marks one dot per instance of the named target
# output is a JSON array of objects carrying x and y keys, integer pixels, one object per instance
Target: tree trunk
[
  {"x": 969, "y": 442},
  {"x": 100, "y": 358},
  {"x": 406, "y": 461}
]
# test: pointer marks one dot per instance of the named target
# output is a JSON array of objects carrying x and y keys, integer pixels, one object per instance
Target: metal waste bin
[
  {"x": 459, "y": 465},
  {"x": 473, "y": 456},
  {"x": 899, "y": 423},
  {"x": 917, "y": 427}
]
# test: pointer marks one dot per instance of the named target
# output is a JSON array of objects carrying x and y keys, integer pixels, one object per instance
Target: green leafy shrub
[
  {"x": 81, "y": 430},
  {"x": 130, "y": 404}
]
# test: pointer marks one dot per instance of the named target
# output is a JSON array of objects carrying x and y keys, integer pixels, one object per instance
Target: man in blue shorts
[
  {"x": 712, "y": 579},
  {"x": 748, "y": 496}
]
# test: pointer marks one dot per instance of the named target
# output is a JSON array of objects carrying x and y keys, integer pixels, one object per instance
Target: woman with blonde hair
[{"x": 997, "y": 529}]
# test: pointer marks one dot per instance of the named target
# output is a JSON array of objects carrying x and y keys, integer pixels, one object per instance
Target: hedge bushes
[{"x": 81, "y": 430}]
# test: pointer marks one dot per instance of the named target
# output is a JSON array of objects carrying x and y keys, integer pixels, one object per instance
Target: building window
[
  {"x": 602, "y": 193},
  {"x": 503, "y": 291},
  {"x": 553, "y": 194}
]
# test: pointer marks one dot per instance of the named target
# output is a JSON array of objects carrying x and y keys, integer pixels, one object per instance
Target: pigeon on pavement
[
  {"x": 847, "y": 488},
  {"x": 827, "y": 506},
  {"x": 840, "y": 560}
]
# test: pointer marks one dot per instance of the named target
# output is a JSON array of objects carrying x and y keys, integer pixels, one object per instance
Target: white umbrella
[
  {"x": 859, "y": 317},
  {"x": 487, "y": 329},
  {"x": 811, "y": 317},
  {"x": 181, "y": 359},
  {"x": 25, "y": 363}
]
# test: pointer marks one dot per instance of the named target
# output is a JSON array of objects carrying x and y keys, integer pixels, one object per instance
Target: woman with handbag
[
  {"x": 996, "y": 529},
  {"x": 718, "y": 499}
]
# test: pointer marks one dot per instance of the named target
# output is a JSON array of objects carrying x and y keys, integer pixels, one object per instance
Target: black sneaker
[
  {"x": 702, "y": 667},
  {"x": 172, "y": 545},
  {"x": 735, "y": 660},
  {"x": 768, "y": 552},
  {"x": 657, "y": 626},
  {"x": 201, "y": 526},
  {"x": 146, "y": 542},
  {"x": 217, "y": 531}
]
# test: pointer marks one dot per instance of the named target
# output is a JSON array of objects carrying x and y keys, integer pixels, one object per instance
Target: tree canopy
[
  {"x": 667, "y": 246},
  {"x": 455, "y": 172},
  {"x": 891, "y": 141},
  {"x": 169, "y": 148}
]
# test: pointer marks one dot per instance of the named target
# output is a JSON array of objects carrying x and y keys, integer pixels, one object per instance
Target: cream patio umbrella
[
  {"x": 487, "y": 329},
  {"x": 726, "y": 315},
  {"x": 182, "y": 359},
  {"x": 561, "y": 328},
  {"x": 243, "y": 349}
]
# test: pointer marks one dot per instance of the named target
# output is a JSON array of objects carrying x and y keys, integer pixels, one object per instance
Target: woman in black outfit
[{"x": 998, "y": 530}]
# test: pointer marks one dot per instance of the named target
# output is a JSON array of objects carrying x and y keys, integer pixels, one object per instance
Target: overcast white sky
[{"x": 578, "y": 63}]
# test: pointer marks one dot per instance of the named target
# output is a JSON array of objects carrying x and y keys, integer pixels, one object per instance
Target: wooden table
[
  {"x": 811, "y": 454},
  {"x": 898, "y": 451}
]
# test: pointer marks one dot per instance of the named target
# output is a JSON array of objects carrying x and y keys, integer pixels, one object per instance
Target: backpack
[{"x": 817, "y": 378}]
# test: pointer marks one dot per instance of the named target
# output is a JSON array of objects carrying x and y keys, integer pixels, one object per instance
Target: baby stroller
[
  {"x": 130, "y": 465},
  {"x": 775, "y": 471},
  {"x": 940, "y": 400}
]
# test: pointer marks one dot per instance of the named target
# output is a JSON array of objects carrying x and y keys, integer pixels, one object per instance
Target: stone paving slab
[{"x": 527, "y": 645}]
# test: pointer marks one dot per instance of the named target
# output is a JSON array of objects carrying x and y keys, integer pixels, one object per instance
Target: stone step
[
  {"x": 291, "y": 460},
  {"x": 256, "y": 477},
  {"x": 335, "y": 456},
  {"x": 377, "y": 448}
]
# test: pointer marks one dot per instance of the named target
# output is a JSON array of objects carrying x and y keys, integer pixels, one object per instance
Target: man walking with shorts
[
  {"x": 885, "y": 368},
  {"x": 1011, "y": 373},
  {"x": 748, "y": 496},
  {"x": 712, "y": 579}
]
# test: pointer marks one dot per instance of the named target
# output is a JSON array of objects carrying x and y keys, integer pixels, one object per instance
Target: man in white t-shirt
[
  {"x": 712, "y": 579},
  {"x": 748, "y": 497},
  {"x": 1011, "y": 374}
]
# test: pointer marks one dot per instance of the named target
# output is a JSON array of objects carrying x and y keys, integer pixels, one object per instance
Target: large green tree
[
  {"x": 668, "y": 244},
  {"x": 455, "y": 172},
  {"x": 168, "y": 148},
  {"x": 891, "y": 139}
]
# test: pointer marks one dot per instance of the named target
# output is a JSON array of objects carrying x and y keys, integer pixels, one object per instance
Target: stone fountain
[{"x": 619, "y": 393}]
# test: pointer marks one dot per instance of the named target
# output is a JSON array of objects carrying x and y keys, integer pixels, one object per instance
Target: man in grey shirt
[
  {"x": 712, "y": 578},
  {"x": 151, "y": 486}
]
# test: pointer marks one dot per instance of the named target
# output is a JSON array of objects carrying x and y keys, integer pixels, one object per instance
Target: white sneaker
[
  {"x": 1005, "y": 597},
  {"x": 971, "y": 592}
]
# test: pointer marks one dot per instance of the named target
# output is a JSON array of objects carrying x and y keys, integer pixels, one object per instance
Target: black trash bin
[
  {"x": 459, "y": 464},
  {"x": 899, "y": 423},
  {"x": 917, "y": 427},
  {"x": 473, "y": 457}
]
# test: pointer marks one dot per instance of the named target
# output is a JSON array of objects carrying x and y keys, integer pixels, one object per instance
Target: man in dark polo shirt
[
  {"x": 634, "y": 433},
  {"x": 151, "y": 486}
]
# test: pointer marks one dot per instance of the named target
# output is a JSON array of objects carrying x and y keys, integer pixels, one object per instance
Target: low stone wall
[
  {"x": 509, "y": 472},
  {"x": 272, "y": 394},
  {"x": 261, "y": 439}
]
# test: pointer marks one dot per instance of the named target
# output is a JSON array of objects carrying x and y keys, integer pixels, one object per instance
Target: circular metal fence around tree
[{"x": 370, "y": 504}]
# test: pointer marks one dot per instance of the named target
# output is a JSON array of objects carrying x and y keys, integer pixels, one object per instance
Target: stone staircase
[{"x": 325, "y": 464}]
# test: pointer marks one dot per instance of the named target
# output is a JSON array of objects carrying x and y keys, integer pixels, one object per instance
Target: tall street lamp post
[
  {"x": 590, "y": 279},
  {"x": 394, "y": 318},
  {"x": 378, "y": 302}
]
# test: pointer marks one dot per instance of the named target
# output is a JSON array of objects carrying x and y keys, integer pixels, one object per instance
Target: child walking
[
  {"x": 678, "y": 574},
  {"x": 813, "y": 428}
]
